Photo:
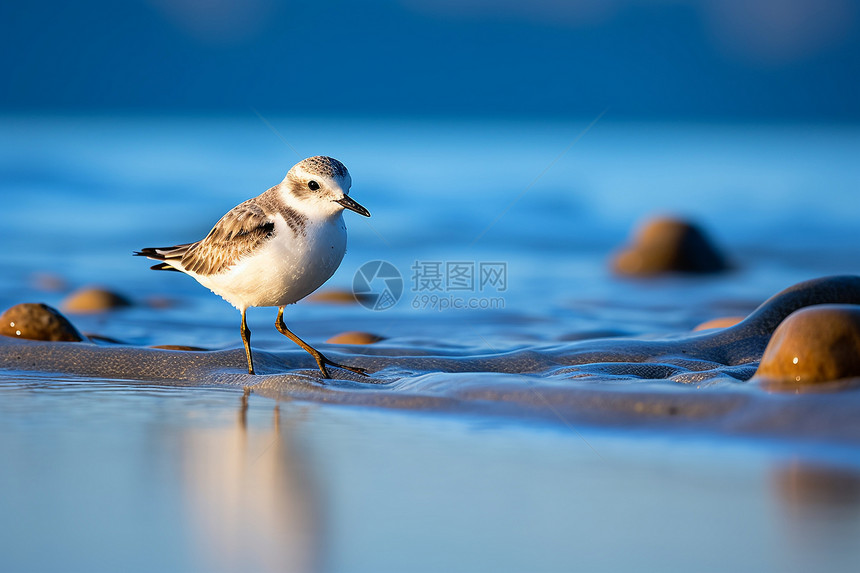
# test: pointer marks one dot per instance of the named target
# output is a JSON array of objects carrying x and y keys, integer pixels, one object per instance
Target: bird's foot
[{"x": 322, "y": 361}]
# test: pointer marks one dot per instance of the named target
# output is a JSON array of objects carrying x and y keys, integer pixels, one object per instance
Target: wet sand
[{"x": 698, "y": 381}]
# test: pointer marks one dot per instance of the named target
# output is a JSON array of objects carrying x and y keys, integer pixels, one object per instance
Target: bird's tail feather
[
  {"x": 164, "y": 254},
  {"x": 164, "y": 267}
]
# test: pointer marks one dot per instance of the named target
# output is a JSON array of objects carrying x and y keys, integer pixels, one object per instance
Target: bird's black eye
[{"x": 313, "y": 185}]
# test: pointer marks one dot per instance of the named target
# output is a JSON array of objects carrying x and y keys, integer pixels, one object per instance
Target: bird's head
[{"x": 321, "y": 185}]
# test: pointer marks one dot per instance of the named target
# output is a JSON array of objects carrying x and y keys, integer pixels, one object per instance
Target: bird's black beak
[{"x": 352, "y": 205}]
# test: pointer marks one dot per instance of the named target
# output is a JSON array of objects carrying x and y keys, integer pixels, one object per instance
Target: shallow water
[
  {"x": 113, "y": 476},
  {"x": 214, "y": 484}
]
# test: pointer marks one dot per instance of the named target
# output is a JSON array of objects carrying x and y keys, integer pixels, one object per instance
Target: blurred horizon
[{"x": 701, "y": 60}]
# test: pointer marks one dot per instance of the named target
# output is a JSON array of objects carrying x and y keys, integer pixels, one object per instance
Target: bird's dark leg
[
  {"x": 246, "y": 339},
  {"x": 322, "y": 361}
]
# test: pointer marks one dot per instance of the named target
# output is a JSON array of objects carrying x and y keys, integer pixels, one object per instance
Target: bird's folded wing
[{"x": 242, "y": 230}]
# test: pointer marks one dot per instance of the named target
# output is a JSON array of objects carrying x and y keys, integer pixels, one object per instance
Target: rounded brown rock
[
  {"x": 93, "y": 299},
  {"x": 355, "y": 337},
  {"x": 37, "y": 321},
  {"x": 814, "y": 345},
  {"x": 669, "y": 245}
]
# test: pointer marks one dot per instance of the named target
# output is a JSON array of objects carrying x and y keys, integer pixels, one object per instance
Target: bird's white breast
[{"x": 286, "y": 268}]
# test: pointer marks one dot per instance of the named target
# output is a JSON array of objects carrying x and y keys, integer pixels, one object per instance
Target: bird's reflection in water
[
  {"x": 819, "y": 507},
  {"x": 249, "y": 506}
]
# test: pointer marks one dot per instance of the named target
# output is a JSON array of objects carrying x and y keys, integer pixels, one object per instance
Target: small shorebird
[{"x": 274, "y": 249}]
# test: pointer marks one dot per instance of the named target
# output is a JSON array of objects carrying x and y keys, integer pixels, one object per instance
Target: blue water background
[
  {"x": 111, "y": 475},
  {"x": 551, "y": 200}
]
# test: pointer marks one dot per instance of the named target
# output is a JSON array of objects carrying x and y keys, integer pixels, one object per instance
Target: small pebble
[
  {"x": 333, "y": 296},
  {"x": 722, "y": 322},
  {"x": 48, "y": 282},
  {"x": 355, "y": 337},
  {"x": 669, "y": 245},
  {"x": 161, "y": 302},
  {"x": 814, "y": 345},
  {"x": 37, "y": 321},
  {"x": 93, "y": 299},
  {"x": 338, "y": 296}
]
